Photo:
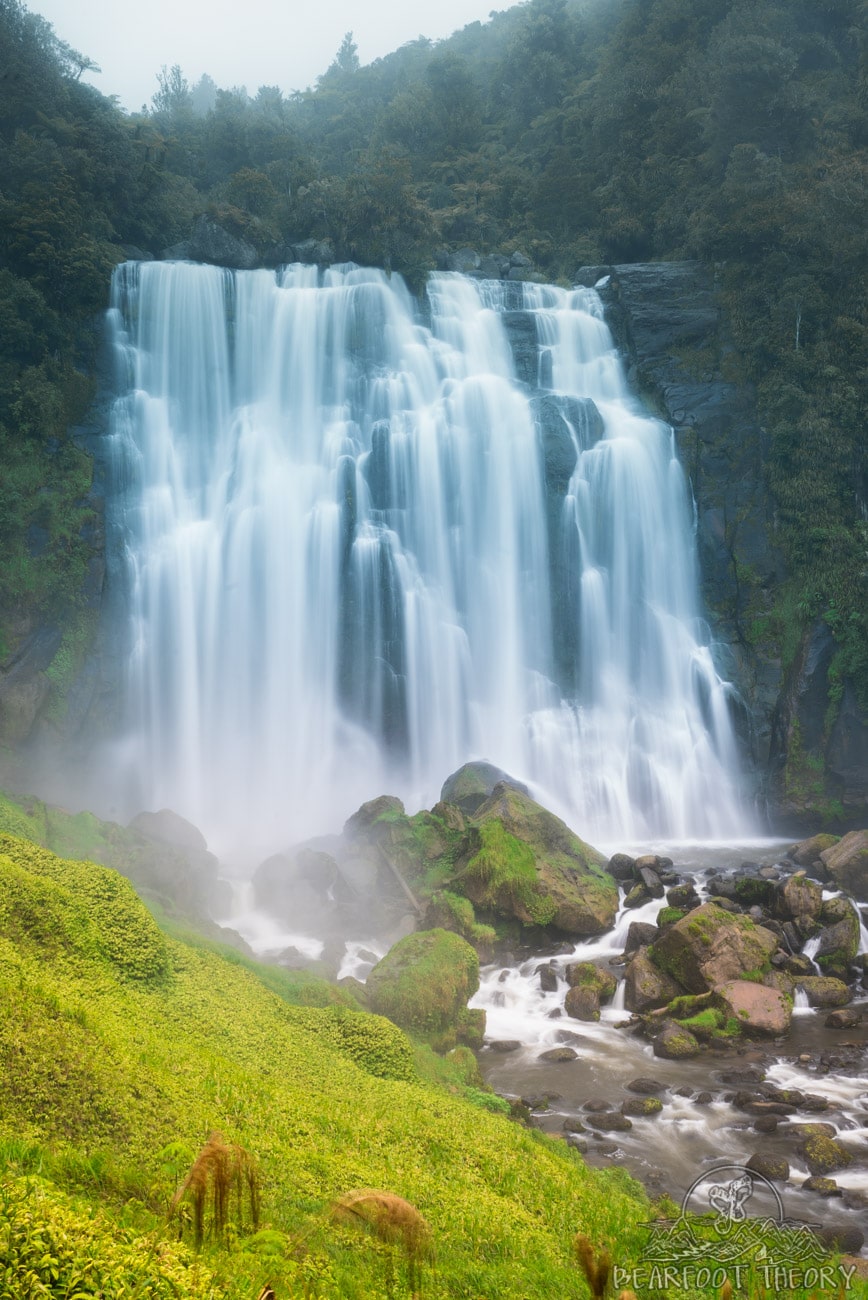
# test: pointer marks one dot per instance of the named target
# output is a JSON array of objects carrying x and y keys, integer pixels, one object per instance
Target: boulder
[
  {"x": 807, "y": 853},
  {"x": 645, "y": 987},
  {"x": 838, "y": 946},
  {"x": 798, "y": 897},
  {"x": 640, "y": 935},
  {"x": 519, "y": 861},
  {"x": 587, "y": 974},
  {"x": 823, "y": 990},
  {"x": 641, "y": 1107},
  {"x": 848, "y": 1018},
  {"x": 610, "y": 1121},
  {"x": 211, "y": 242},
  {"x": 760, "y": 1011},
  {"x": 847, "y": 863},
  {"x": 558, "y": 1055},
  {"x": 473, "y": 783},
  {"x": 674, "y": 1042},
  {"x": 824, "y": 1154},
  {"x": 423, "y": 985},
  {"x": 622, "y": 866},
  {"x": 774, "y": 1168},
  {"x": 582, "y": 1003},
  {"x": 464, "y": 260},
  {"x": 709, "y": 946}
]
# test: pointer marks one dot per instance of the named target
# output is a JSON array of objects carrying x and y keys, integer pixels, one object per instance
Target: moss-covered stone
[
  {"x": 424, "y": 983},
  {"x": 585, "y": 974},
  {"x": 710, "y": 946},
  {"x": 823, "y": 1154},
  {"x": 847, "y": 863},
  {"x": 520, "y": 861},
  {"x": 823, "y": 990},
  {"x": 473, "y": 783},
  {"x": 674, "y": 1042}
]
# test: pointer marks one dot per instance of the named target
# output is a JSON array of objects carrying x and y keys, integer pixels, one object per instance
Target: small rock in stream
[
  {"x": 559, "y": 1055},
  {"x": 503, "y": 1045},
  {"x": 610, "y": 1121},
  {"x": 822, "y": 1186},
  {"x": 647, "y": 1087},
  {"x": 774, "y": 1168}
]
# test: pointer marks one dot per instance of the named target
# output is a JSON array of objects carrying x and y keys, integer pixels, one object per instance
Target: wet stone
[
  {"x": 610, "y": 1121},
  {"x": 548, "y": 979},
  {"x": 647, "y": 1087},
  {"x": 821, "y": 1186},
  {"x": 572, "y": 1124},
  {"x": 849, "y": 1241},
  {"x": 641, "y": 1107},
  {"x": 766, "y": 1124},
  {"x": 503, "y": 1045},
  {"x": 606, "y": 1148},
  {"x": 846, "y": 1018},
  {"x": 559, "y": 1055},
  {"x": 597, "y": 1104},
  {"x": 775, "y": 1168},
  {"x": 743, "y": 1077},
  {"x": 578, "y": 1144},
  {"x": 704, "y": 1098}
]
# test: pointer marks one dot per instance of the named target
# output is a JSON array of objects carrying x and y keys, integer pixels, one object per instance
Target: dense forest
[{"x": 730, "y": 131}]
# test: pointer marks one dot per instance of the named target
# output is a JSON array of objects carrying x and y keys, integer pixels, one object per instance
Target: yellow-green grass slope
[{"x": 122, "y": 1047}]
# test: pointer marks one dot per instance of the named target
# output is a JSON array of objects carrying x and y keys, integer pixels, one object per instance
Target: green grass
[{"x": 122, "y": 1046}]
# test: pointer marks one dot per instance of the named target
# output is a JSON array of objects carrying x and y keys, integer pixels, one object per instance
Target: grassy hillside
[{"x": 122, "y": 1047}]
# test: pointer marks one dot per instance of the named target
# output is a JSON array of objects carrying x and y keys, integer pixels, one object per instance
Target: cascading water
[{"x": 359, "y": 551}]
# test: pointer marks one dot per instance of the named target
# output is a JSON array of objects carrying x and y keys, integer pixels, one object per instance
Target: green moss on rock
[{"x": 424, "y": 983}]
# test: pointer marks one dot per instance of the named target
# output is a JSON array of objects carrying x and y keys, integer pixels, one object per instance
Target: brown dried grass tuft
[
  {"x": 392, "y": 1220},
  {"x": 221, "y": 1171},
  {"x": 595, "y": 1263}
]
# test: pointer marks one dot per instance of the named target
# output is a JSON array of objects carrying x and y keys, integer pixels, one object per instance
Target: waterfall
[{"x": 359, "y": 549}]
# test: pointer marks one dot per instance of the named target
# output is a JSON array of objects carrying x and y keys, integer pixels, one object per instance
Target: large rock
[
  {"x": 760, "y": 1011},
  {"x": 521, "y": 862},
  {"x": 709, "y": 946},
  {"x": 807, "y": 852},
  {"x": 473, "y": 783},
  {"x": 823, "y": 990},
  {"x": 169, "y": 827},
  {"x": 847, "y": 863},
  {"x": 798, "y": 898},
  {"x": 645, "y": 987},
  {"x": 674, "y": 1042},
  {"x": 424, "y": 983}
]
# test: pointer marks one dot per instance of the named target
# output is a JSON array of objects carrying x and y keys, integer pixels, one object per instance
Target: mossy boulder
[
  {"x": 582, "y": 1002},
  {"x": 473, "y": 783},
  {"x": 798, "y": 898},
  {"x": 585, "y": 974},
  {"x": 760, "y": 1011},
  {"x": 823, "y": 990},
  {"x": 674, "y": 1042},
  {"x": 646, "y": 987},
  {"x": 710, "y": 946},
  {"x": 521, "y": 862},
  {"x": 839, "y": 944},
  {"x": 847, "y": 863},
  {"x": 423, "y": 985},
  {"x": 824, "y": 1154},
  {"x": 807, "y": 853}
]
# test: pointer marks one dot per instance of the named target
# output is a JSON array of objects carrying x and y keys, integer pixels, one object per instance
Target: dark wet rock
[
  {"x": 596, "y": 1104},
  {"x": 577, "y": 1143},
  {"x": 823, "y": 991},
  {"x": 776, "y": 979},
  {"x": 610, "y": 1121},
  {"x": 548, "y": 979},
  {"x": 558, "y": 1055},
  {"x": 504, "y": 1045},
  {"x": 572, "y": 1124},
  {"x": 792, "y": 964},
  {"x": 766, "y": 1123},
  {"x": 838, "y": 946},
  {"x": 641, "y": 1107},
  {"x": 582, "y": 1003},
  {"x": 674, "y": 1042},
  {"x": 704, "y": 1098},
  {"x": 779, "y": 1109},
  {"x": 802, "y": 1131},
  {"x": 821, "y": 1186},
  {"x": 854, "y": 1199},
  {"x": 604, "y": 1147},
  {"x": 683, "y": 896},
  {"x": 637, "y": 896},
  {"x": 743, "y": 1076},
  {"x": 645, "y": 986},
  {"x": 646, "y": 1087},
  {"x": 848, "y": 1018},
  {"x": 652, "y": 882},
  {"x": 622, "y": 867},
  {"x": 540, "y": 1100},
  {"x": 640, "y": 935},
  {"x": 775, "y": 1168}
]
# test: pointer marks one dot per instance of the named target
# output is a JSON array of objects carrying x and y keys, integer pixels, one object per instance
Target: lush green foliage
[{"x": 113, "y": 1082}]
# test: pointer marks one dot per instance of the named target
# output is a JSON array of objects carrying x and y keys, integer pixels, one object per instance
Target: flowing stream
[{"x": 363, "y": 542}]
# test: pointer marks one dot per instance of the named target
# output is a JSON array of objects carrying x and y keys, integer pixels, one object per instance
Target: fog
[{"x": 262, "y": 42}]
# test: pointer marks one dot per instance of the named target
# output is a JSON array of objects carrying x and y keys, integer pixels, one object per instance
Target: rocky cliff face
[{"x": 803, "y": 728}]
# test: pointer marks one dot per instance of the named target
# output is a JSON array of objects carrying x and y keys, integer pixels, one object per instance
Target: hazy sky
[{"x": 249, "y": 43}]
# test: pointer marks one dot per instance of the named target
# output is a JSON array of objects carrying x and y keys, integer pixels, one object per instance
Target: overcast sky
[{"x": 286, "y": 43}]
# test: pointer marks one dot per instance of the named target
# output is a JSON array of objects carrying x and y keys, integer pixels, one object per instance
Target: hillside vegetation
[{"x": 122, "y": 1047}]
